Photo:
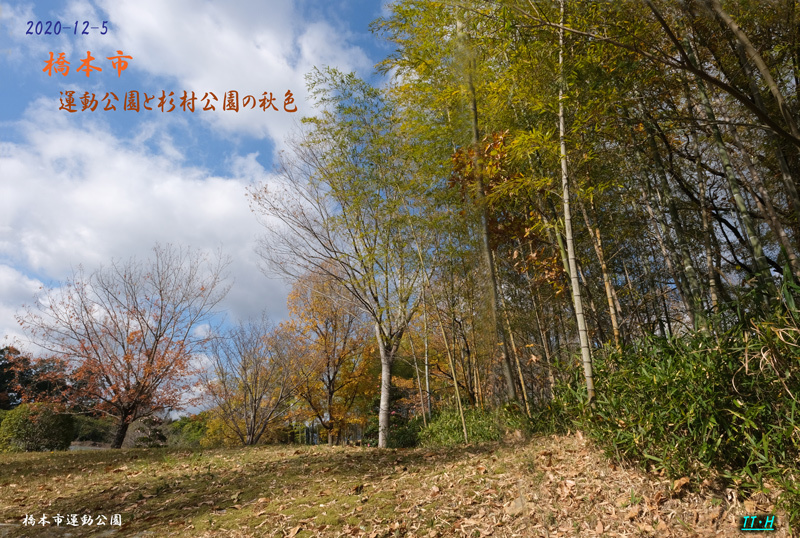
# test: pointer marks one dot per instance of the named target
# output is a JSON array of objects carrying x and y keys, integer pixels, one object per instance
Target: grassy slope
[{"x": 548, "y": 486}]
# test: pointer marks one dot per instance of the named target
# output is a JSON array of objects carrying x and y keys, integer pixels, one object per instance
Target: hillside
[{"x": 547, "y": 486}]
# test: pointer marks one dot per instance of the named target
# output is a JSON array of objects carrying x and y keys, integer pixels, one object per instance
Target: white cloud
[
  {"x": 15, "y": 289},
  {"x": 248, "y": 46},
  {"x": 78, "y": 195},
  {"x": 76, "y": 191}
]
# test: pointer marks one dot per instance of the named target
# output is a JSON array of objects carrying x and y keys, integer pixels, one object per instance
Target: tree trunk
[
  {"x": 692, "y": 291},
  {"x": 598, "y": 249},
  {"x": 387, "y": 357},
  {"x": 511, "y": 393},
  {"x": 662, "y": 236},
  {"x": 427, "y": 359},
  {"x": 450, "y": 359},
  {"x": 704, "y": 213},
  {"x": 331, "y": 421},
  {"x": 419, "y": 384},
  {"x": 122, "y": 430},
  {"x": 586, "y": 358},
  {"x": 516, "y": 357}
]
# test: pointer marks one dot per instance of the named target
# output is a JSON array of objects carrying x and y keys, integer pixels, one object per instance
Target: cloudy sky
[{"x": 89, "y": 186}]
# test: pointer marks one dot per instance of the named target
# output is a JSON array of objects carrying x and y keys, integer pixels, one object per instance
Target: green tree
[
  {"x": 25, "y": 380},
  {"x": 343, "y": 211},
  {"x": 35, "y": 427}
]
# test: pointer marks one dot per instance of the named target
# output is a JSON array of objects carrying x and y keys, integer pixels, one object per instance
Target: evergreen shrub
[
  {"x": 445, "y": 428},
  {"x": 94, "y": 429},
  {"x": 35, "y": 427}
]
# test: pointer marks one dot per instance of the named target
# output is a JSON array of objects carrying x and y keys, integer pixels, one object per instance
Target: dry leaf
[
  {"x": 515, "y": 507},
  {"x": 679, "y": 483},
  {"x": 293, "y": 532},
  {"x": 656, "y": 500}
]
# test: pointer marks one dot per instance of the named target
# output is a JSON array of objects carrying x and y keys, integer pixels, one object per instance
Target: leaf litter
[{"x": 553, "y": 486}]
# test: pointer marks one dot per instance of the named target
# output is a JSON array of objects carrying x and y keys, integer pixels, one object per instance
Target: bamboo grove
[{"x": 539, "y": 184}]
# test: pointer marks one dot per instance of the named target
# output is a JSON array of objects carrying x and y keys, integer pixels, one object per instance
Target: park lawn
[{"x": 546, "y": 486}]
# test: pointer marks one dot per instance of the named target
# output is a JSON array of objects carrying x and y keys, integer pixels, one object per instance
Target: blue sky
[{"x": 92, "y": 186}]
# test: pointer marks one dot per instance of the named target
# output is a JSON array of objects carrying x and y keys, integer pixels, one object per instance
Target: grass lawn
[{"x": 547, "y": 486}]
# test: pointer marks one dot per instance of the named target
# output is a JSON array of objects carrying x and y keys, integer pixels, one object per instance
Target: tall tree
[
  {"x": 342, "y": 209},
  {"x": 577, "y": 300},
  {"x": 468, "y": 61}
]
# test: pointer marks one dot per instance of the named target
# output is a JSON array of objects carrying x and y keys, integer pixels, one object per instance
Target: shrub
[
  {"x": 188, "y": 431},
  {"x": 94, "y": 429},
  {"x": 218, "y": 434},
  {"x": 445, "y": 429},
  {"x": 35, "y": 427},
  {"x": 148, "y": 433},
  {"x": 403, "y": 432},
  {"x": 699, "y": 403},
  {"x": 693, "y": 403}
]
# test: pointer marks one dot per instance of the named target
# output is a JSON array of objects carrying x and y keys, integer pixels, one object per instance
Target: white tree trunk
[
  {"x": 387, "y": 356},
  {"x": 586, "y": 357}
]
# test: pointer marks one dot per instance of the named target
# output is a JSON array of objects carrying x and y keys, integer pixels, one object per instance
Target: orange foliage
[
  {"x": 128, "y": 332},
  {"x": 337, "y": 353}
]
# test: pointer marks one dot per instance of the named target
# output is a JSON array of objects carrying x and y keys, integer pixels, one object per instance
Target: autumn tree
[
  {"x": 129, "y": 331},
  {"x": 252, "y": 379},
  {"x": 25, "y": 380},
  {"x": 8, "y": 396},
  {"x": 333, "y": 366}
]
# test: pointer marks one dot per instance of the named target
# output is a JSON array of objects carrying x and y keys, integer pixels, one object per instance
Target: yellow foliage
[{"x": 219, "y": 434}]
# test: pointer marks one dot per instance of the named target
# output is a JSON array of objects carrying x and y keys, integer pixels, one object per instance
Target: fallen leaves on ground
[{"x": 553, "y": 486}]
